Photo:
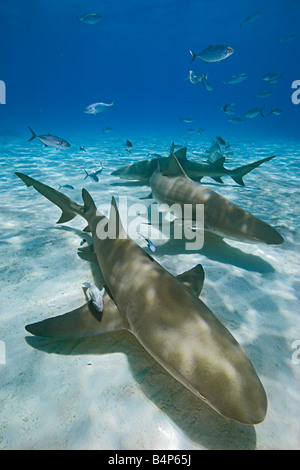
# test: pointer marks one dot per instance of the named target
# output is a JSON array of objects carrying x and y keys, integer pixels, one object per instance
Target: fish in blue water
[
  {"x": 82, "y": 149},
  {"x": 67, "y": 186},
  {"x": 254, "y": 112},
  {"x": 263, "y": 94},
  {"x": 213, "y": 53},
  {"x": 96, "y": 108},
  {"x": 187, "y": 119},
  {"x": 250, "y": 19},
  {"x": 272, "y": 77},
  {"x": 276, "y": 111},
  {"x": 50, "y": 140},
  {"x": 228, "y": 108},
  {"x": 237, "y": 79},
  {"x": 236, "y": 120},
  {"x": 94, "y": 174},
  {"x": 285, "y": 39},
  {"x": 91, "y": 18}
]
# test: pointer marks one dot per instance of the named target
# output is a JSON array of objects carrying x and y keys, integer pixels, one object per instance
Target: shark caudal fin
[
  {"x": 69, "y": 207},
  {"x": 238, "y": 174}
]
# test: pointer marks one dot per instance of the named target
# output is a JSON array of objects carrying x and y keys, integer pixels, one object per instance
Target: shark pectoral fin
[
  {"x": 193, "y": 279},
  {"x": 218, "y": 179},
  {"x": 65, "y": 217},
  {"x": 87, "y": 249},
  {"x": 238, "y": 179},
  {"x": 87, "y": 253},
  {"x": 82, "y": 322},
  {"x": 147, "y": 197}
]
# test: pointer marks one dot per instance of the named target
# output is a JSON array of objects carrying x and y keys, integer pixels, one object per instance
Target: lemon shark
[
  {"x": 143, "y": 170},
  {"x": 172, "y": 186},
  {"x": 163, "y": 312}
]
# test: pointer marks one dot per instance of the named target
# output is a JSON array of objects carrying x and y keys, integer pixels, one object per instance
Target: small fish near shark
[
  {"x": 50, "y": 140},
  {"x": 172, "y": 186},
  {"x": 163, "y": 312},
  {"x": 143, "y": 170}
]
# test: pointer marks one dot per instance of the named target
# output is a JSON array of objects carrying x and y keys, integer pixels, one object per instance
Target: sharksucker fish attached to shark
[
  {"x": 163, "y": 312},
  {"x": 222, "y": 217}
]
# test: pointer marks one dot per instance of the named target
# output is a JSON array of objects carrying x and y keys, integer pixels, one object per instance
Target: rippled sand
[{"x": 107, "y": 392}]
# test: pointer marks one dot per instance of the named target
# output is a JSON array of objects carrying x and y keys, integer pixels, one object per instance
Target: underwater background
[{"x": 109, "y": 393}]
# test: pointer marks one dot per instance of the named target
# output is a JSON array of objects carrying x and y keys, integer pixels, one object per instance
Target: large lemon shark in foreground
[{"x": 163, "y": 312}]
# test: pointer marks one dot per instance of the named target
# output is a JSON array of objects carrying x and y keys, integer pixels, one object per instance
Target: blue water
[
  {"x": 138, "y": 56},
  {"x": 110, "y": 394}
]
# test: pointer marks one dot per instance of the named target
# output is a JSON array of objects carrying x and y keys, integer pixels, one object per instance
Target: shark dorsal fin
[
  {"x": 181, "y": 154},
  {"x": 193, "y": 279},
  {"x": 218, "y": 163},
  {"x": 173, "y": 167},
  {"x": 114, "y": 216}
]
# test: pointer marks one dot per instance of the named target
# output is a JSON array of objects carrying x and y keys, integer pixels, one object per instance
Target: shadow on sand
[{"x": 200, "y": 423}]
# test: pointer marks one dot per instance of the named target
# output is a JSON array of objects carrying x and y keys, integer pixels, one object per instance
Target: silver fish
[
  {"x": 67, "y": 186},
  {"x": 94, "y": 174},
  {"x": 150, "y": 244},
  {"x": 96, "y": 108},
  {"x": 285, "y": 39},
  {"x": 228, "y": 108},
  {"x": 272, "y": 77},
  {"x": 276, "y": 111},
  {"x": 50, "y": 140},
  {"x": 250, "y": 19},
  {"x": 187, "y": 119},
  {"x": 236, "y": 120},
  {"x": 237, "y": 79},
  {"x": 96, "y": 296},
  {"x": 254, "y": 112},
  {"x": 263, "y": 94},
  {"x": 92, "y": 18},
  {"x": 213, "y": 53},
  {"x": 194, "y": 78}
]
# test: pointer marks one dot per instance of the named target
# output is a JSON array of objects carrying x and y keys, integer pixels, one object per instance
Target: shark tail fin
[
  {"x": 33, "y": 136},
  {"x": 238, "y": 174},
  {"x": 69, "y": 207}
]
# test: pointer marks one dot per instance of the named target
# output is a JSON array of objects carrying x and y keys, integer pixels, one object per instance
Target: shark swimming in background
[
  {"x": 162, "y": 311},
  {"x": 143, "y": 170},
  {"x": 221, "y": 217}
]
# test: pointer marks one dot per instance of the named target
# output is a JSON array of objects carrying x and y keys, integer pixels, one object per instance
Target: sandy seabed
[{"x": 106, "y": 392}]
